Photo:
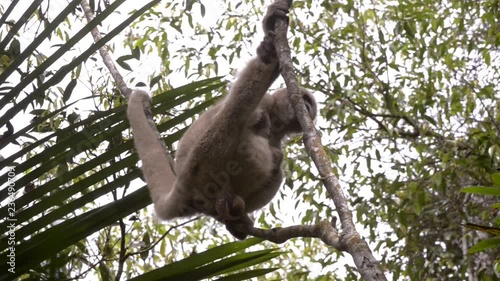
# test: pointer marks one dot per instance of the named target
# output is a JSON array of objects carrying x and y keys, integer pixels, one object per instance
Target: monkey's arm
[
  {"x": 251, "y": 85},
  {"x": 255, "y": 79},
  {"x": 156, "y": 165}
]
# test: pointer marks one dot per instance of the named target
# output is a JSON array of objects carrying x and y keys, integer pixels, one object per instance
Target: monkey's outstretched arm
[
  {"x": 248, "y": 90},
  {"x": 156, "y": 165},
  {"x": 255, "y": 79}
]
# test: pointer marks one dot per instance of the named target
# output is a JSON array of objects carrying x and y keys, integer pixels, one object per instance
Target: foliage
[
  {"x": 412, "y": 93},
  {"x": 495, "y": 231},
  {"x": 410, "y": 114}
]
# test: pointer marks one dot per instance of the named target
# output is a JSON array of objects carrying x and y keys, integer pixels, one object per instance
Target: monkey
[{"x": 228, "y": 163}]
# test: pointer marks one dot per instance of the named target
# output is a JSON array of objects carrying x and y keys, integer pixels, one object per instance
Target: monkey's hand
[
  {"x": 231, "y": 226},
  {"x": 278, "y": 9},
  {"x": 266, "y": 51}
]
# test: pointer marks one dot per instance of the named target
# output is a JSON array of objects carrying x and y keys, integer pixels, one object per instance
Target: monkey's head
[{"x": 283, "y": 119}]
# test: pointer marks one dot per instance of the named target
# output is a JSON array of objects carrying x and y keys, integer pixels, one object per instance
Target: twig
[{"x": 148, "y": 248}]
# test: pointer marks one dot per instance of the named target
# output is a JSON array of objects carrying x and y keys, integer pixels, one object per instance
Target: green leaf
[
  {"x": 61, "y": 73},
  {"x": 247, "y": 274},
  {"x": 482, "y": 190},
  {"x": 69, "y": 90},
  {"x": 121, "y": 61},
  {"x": 496, "y": 179},
  {"x": 486, "y": 56},
  {"x": 136, "y": 53},
  {"x": 202, "y": 264},
  {"x": 146, "y": 239},
  {"x": 189, "y": 4},
  {"x": 104, "y": 271},
  {"x": 484, "y": 245},
  {"x": 202, "y": 8},
  {"x": 409, "y": 28}
]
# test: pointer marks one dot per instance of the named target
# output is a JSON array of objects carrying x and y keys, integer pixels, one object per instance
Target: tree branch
[
  {"x": 118, "y": 78},
  {"x": 358, "y": 248},
  {"x": 103, "y": 51},
  {"x": 324, "y": 230}
]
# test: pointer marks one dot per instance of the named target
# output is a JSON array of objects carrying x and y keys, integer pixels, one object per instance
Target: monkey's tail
[{"x": 156, "y": 164}]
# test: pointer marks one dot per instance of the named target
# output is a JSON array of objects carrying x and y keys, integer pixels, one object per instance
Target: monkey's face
[{"x": 282, "y": 114}]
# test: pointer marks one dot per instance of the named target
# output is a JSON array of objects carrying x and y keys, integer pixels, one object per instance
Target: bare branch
[
  {"x": 363, "y": 258},
  {"x": 106, "y": 57},
  {"x": 324, "y": 230},
  {"x": 118, "y": 78}
]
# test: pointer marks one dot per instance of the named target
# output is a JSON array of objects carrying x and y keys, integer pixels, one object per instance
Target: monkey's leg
[
  {"x": 231, "y": 226},
  {"x": 230, "y": 210},
  {"x": 229, "y": 206}
]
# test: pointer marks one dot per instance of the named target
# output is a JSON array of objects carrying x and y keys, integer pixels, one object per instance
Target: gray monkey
[{"x": 228, "y": 163}]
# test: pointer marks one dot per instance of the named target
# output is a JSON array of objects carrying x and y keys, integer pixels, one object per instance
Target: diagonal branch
[
  {"x": 118, "y": 78},
  {"x": 366, "y": 263},
  {"x": 106, "y": 57}
]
